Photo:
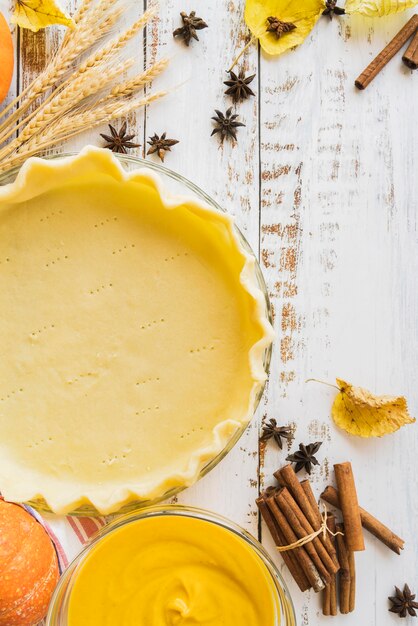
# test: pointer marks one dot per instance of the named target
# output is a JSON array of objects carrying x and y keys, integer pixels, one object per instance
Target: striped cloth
[{"x": 69, "y": 534}]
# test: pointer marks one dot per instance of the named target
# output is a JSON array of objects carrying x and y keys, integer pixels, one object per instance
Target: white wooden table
[{"x": 324, "y": 184}]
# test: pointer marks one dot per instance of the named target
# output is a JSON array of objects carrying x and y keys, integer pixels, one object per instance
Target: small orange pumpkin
[
  {"x": 29, "y": 568},
  {"x": 6, "y": 58}
]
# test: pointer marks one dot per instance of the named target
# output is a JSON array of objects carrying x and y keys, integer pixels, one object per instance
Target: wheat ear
[
  {"x": 74, "y": 125},
  {"x": 102, "y": 54},
  {"x": 129, "y": 87},
  {"x": 85, "y": 86},
  {"x": 115, "y": 45},
  {"x": 78, "y": 17},
  {"x": 79, "y": 41}
]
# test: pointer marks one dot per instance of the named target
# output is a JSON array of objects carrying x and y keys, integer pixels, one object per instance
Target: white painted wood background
[{"x": 324, "y": 184}]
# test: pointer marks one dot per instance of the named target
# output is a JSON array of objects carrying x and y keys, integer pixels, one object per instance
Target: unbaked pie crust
[{"x": 132, "y": 334}]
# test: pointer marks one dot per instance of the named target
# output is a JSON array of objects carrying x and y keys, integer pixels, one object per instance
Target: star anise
[
  {"x": 305, "y": 456},
  {"x": 118, "y": 141},
  {"x": 272, "y": 431},
  {"x": 160, "y": 145},
  {"x": 238, "y": 86},
  {"x": 403, "y": 602},
  {"x": 278, "y": 27},
  {"x": 332, "y": 9},
  {"x": 226, "y": 124},
  {"x": 191, "y": 24}
]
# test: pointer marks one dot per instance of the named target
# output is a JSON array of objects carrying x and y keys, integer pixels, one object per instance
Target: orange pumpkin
[
  {"x": 29, "y": 568},
  {"x": 6, "y": 58}
]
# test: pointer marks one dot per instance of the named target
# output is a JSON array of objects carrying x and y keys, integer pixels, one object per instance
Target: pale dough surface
[{"x": 126, "y": 335}]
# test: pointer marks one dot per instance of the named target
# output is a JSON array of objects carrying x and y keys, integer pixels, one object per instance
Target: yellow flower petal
[
  {"x": 378, "y": 8},
  {"x": 303, "y": 14},
  {"x": 361, "y": 413},
  {"x": 36, "y": 14}
]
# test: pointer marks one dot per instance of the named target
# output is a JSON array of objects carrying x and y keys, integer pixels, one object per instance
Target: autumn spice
[
  {"x": 289, "y": 558},
  {"x": 119, "y": 141},
  {"x": 332, "y": 9},
  {"x": 373, "y": 525},
  {"x": 305, "y": 458},
  {"x": 284, "y": 502},
  {"x": 191, "y": 24},
  {"x": 271, "y": 430},
  {"x": 349, "y": 506},
  {"x": 373, "y": 69},
  {"x": 306, "y": 530},
  {"x": 344, "y": 576},
  {"x": 161, "y": 145},
  {"x": 226, "y": 124},
  {"x": 410, "y": 58},
  {"x": 305, "y": 561},
  {"x": 352, "y": 569},
  {"x": 326, "y": 540},
  {"x": 278, "y": 27},
  {"x": 329, "y": 599},
  {"x": 238, "y": 86},
  {"x": 287, "y": 477},
  {"x": 403, "y": 602}
]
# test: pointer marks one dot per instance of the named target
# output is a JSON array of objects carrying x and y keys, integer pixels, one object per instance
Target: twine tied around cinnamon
[{"x": 324, "y": 529}]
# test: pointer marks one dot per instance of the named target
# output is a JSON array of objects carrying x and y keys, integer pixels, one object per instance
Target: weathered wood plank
[{"x": 339, "y": 243}]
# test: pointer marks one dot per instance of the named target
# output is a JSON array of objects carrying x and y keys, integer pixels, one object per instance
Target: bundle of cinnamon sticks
[{"x": 321, "y": 556}]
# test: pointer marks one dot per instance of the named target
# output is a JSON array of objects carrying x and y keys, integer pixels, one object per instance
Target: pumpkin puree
[{"x": 172, "y": 571}]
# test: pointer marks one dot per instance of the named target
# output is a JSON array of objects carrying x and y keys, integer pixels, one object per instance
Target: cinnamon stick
[
  {"x": 326, "y": 601},
  {"x": 410, "y": 58},
  {"x": 287, "y": 477},
  {"x": 307, "y": 488},
  {"x": 349, "y": 506},
  {"x": 329, "y": 600},
  {"x": 352, "y": 569},
  {"x": 329, "y": 545},
  {"x": 332, "y": 525},
  {"x": 345, "y": 578},
  {"x": 289, "y": 558},
  {"x": 387, "y": 53},
  {"x": 283, "y": 500},
  {"x": 306, "y": 529},
  {"x": 373, "y": 525},
  {"x": 305, "y": 561}
]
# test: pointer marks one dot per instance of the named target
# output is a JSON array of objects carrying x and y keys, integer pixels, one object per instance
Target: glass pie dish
[
  {"x": 61, "y": 610},
  {"x": 174, "y": 185}
]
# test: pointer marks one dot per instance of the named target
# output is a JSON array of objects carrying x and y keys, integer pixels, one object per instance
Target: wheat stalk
[
  {"x": 74, "y": 125},
  {"x": 93, "y": 28},
  {"x": 104, "y": 53},
  {"x": 85, "y": 86},
  {"x": 129, "y": 87},
  {"x": 83, "y": 98},
  {"x": 115, "y": 45}
]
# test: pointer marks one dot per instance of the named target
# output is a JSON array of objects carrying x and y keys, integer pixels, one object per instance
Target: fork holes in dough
[{"x": 201, "y": 349}]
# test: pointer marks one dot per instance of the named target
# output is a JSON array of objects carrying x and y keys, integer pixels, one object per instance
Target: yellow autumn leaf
[
  {"x": 378, "y": 8},
  {"x": 303, "y": 14},
  {"x": 36, "y": 14},
  {"x": 361, "y": 413}
]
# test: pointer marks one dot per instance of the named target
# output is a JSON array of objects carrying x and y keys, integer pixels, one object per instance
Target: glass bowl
[
  {"x": 177, "y": 185},
  {"x": 58, "y": 609}
]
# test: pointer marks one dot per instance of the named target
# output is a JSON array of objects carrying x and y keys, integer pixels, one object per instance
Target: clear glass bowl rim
[
  {"x": 134, "y": 161},
  {"x": 57, "y": 613}
]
